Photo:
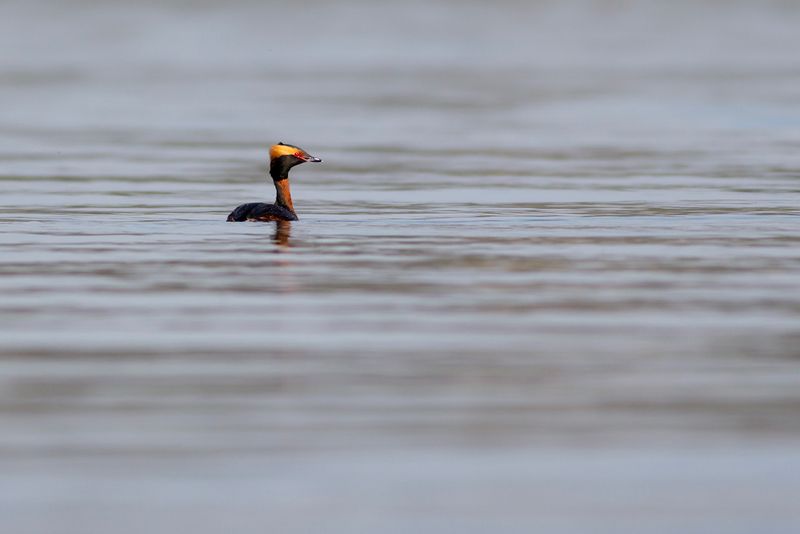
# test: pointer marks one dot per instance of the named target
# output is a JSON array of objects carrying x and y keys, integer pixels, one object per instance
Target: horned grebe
[{"x": 282, "y": 157}]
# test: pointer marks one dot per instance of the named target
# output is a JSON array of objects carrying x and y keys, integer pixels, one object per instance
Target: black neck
[{"x": 279, "y": 167}]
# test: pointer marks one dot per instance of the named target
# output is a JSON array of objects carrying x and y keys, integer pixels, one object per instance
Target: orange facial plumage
[{"x": 276, "y": 151}]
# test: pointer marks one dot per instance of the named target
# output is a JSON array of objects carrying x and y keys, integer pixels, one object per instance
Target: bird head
[{"x": 283, "y": 157}]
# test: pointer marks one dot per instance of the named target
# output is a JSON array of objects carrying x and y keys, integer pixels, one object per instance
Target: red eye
[{"x": 299, "y": 155}]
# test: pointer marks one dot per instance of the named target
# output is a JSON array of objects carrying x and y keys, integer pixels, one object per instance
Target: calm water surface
[{"x": 548, "y": 275}]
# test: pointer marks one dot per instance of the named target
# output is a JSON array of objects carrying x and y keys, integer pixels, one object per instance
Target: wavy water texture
[{"x": 547, "y": 277}]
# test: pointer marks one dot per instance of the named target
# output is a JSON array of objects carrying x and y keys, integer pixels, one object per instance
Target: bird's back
[{"x": 260, "y": 211}]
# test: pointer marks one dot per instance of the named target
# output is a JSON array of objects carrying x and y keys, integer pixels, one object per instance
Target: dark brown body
[{"x": 259, "y": 211}]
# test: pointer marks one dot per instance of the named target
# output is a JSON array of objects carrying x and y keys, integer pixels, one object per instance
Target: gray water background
[{"x": 546, "y": 279}]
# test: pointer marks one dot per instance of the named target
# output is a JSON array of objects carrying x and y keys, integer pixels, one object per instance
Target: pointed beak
[{"x": 312, "y": 159}]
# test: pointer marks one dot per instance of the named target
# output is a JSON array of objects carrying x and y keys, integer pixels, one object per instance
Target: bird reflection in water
[
  {"x": 283, "y": 275},
  {"x": 283, "y": 231}
]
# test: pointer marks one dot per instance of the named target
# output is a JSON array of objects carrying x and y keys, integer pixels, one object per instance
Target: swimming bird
[{"x": 282, "y": 157}]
